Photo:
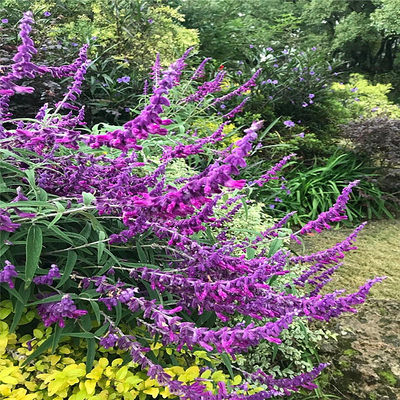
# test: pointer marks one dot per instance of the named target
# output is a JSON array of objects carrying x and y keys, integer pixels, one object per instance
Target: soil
[{"x": 365, "y": 360}]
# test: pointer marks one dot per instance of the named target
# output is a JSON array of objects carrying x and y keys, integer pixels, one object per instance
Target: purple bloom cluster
[
  {"x": 7, "y": 273},
  {"x": 6, "y": 223},
  {"x": 124, "y": 79},
  {"x": 49, "y": 277},
  {"x": 52, "y": 313}
]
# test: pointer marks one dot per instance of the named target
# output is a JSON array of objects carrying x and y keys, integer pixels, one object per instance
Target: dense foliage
[
  {"x": 379, "y": 139},
  {"x": 124, "y": 36},
  {"x": 106, "y": 248},
  {"x": 364, "y": 34}
]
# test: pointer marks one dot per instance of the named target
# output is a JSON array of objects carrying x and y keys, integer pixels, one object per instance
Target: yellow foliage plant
[{"x": 62, "y": 374}]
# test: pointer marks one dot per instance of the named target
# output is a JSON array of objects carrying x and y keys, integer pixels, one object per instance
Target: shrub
[
  {"x": 294, "y": 83},
  {"x": 360, "y": 98},
  {"x": 125, "y": 37},
  {"x": 108, "y": 255},
  {"x": 378, "y": 139},
  {"x": 311, "y": 189}
]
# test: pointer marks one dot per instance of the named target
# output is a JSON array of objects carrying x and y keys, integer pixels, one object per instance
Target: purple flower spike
[
  {"x": 47, "y": 13},
  {"x": 4, "y": 21},
  {"x": 334, "y": 214}
]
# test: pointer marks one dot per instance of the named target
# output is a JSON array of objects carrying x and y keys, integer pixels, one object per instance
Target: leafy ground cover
[{"x": 378, "y": 254}]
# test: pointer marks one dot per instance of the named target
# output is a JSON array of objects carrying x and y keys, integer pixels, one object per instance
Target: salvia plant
[{"x": 106, "y": 252}]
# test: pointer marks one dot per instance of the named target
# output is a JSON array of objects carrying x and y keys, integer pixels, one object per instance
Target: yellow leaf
[
  {"x": 165, "y": 392},
  {"x": 54, "y": 359},
  {"x": 133, "y": 380},
  {"x": 134, "y": 393},
  {"x": 3, "y": 329},
  {"x": 3, "y": 344},
  {"x": 218, "y": 376},
  {"x": 90, "y": 386},
  {"x": 155, "y": 346},
  {"x": 237, "y": 380},
  {"x": 153, "y": 392},
  {"x": 149, "y": 383},
  {"x": 64, "y": 350},
  {"x": 177, "y": 370},
  {"x": 4, "y": 312},
  {"x": 95, "y": 374},
  {"x": 120, "y": 387},
  {"x": 56, "y": 386},
  {"x": 206, "y": 374},
  {"x": 38, "y": 333},
  {"x": 190, "y": 374},
  {"x": 116, "y": 362},
  {"x": 103, "y": 362},
  {"x": 10, "y": 379},
  {"x": 31, "y": 386},
  {"x": 121, "y": 373},
  {"x": 5, "y": 390}
]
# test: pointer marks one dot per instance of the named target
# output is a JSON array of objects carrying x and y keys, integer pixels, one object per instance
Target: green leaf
[
  {"x": 34, "y": 242},
  {"x": 227, "y": 362},
  {"x": 91, "y": 351},
  {"x": 102, "y": 330},
  {"x": 51, "y": 299},
  {"x": 118, "y": 313},
  {"x": 96, "y": 310},
  {"x": 60, "y": 210},
  {"x": 87, "y": 198},
  {"x": 30, "y": 174},
  {"x": 69, "y": 266},
  {"x": 14, "y": 293},
  {"x": 246, "y": 207},
  {"x": 83, "y": 335},
  {"x": 250, "y": 252},
  {"x": 101, "y": 246},
  {"x": 274, "y": 247},
  {"x": 55, "y": 337},
  {"x": 41, "y": 349},
  {"x": 58, "y": 232},
  {"x": 141, "y": 253},
  {"x": 19, "y": 307}
]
